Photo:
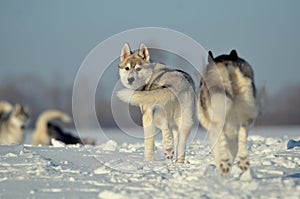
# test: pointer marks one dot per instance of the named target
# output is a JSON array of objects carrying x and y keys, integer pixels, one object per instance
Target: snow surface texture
[{"x": 114, "y": 169}]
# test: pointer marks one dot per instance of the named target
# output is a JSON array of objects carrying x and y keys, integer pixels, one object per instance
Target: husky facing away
[
  {"x": 46, "y": 130},
  {"x": 227, "y": 108},
  {"x": 12, "y": 122},
  {"x": 166, "y": 99}
]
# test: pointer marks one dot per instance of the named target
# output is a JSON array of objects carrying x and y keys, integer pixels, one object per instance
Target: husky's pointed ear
[
  {"x": 125, "y": 52},
  {"x": 143, "y": 52},
  {"x": 17, "y": 109},
  {"x": 210, "y": 57},
  {"x": 233, "y": 54},
  {"x": 26, "y": 109}
]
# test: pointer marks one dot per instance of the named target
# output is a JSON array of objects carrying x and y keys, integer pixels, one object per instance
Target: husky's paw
[
  {"x": 225, "y": 166},
  {"x": 243, "y": 163},
  {"x": 125, "y": 95},
  {"x": 180, "y": 159},
  {"x": 169, "y": 153}
]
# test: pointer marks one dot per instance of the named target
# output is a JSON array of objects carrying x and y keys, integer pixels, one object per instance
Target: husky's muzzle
[{"x": 130, "y": 80}]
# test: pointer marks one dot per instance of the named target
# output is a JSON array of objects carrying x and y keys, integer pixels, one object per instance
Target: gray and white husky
[
  {"x": 166, "y": 99},
  {"x": 227, "y": 107},
  {"x": 12, "y": 122}
]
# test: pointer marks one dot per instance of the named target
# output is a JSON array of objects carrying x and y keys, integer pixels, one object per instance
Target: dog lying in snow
[{"x": 46, "y": 130}]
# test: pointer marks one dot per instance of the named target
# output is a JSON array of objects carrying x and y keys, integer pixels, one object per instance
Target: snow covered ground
[{"x": 114, "y": 168}]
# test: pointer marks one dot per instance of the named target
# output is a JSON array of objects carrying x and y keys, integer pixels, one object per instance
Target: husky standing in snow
[
  {"x": 166, "y": 99},
  {"x": 12, "y": 122},
  {"x": 227, "y": 107},
  {"x": 46, "y": 130}
]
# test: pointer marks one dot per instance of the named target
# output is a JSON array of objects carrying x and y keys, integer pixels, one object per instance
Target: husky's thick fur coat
[
  {"x": 166, "y": 99},
  {"x": 12, "y": 122},
  {"x": 227, "y": 107},
  {"x": 46, "y": 130}
]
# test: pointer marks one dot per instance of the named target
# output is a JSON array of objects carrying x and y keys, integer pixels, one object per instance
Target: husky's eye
[
  {"x": 126, "y": 68},
  {"x": 138, "y": 69}
]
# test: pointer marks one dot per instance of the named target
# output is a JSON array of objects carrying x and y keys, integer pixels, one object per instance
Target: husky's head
[
  {"x": 232, "y": 60},
  {"x": 19, "y": 116},
  {"x": 134, "y": 68}
]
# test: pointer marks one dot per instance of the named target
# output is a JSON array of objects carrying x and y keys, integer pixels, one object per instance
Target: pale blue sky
[{"x": 51, "y": 37}]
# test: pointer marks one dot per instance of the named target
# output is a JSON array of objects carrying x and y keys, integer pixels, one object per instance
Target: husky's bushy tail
[
  {"x": 152, "y": 97},
  {"x": 5, "y": 107},
  {"x": 40, "y": 134},
  {"x": 260, "y": 99},
  {"x": 49, "y": 115}
]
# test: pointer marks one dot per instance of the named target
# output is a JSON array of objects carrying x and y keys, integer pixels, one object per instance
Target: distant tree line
[{"x": 280, "y": 109}]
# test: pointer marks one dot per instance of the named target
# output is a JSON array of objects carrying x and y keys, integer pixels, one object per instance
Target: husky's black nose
[{"x": 130, "y": 80}]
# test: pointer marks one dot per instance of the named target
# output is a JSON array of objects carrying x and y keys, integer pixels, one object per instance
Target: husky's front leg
[
  {"x": 149, "y": 130},
  {"x": 243, "y": 160}
]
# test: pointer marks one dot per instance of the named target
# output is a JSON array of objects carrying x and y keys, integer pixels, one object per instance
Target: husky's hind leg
[
  {"x": 161, "y": 121},
  {"x": 184, "y": 124},
  {"x": 220, "y": 151},
  {"x": 182, "y": 139},
  {"x": 220, "y": 106},
  {"x": 243, "y": 160},
  {"x": 175, "y": 140},
  {"x": 149, "y": 131},
  {"x": 167, "y": 142}
]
